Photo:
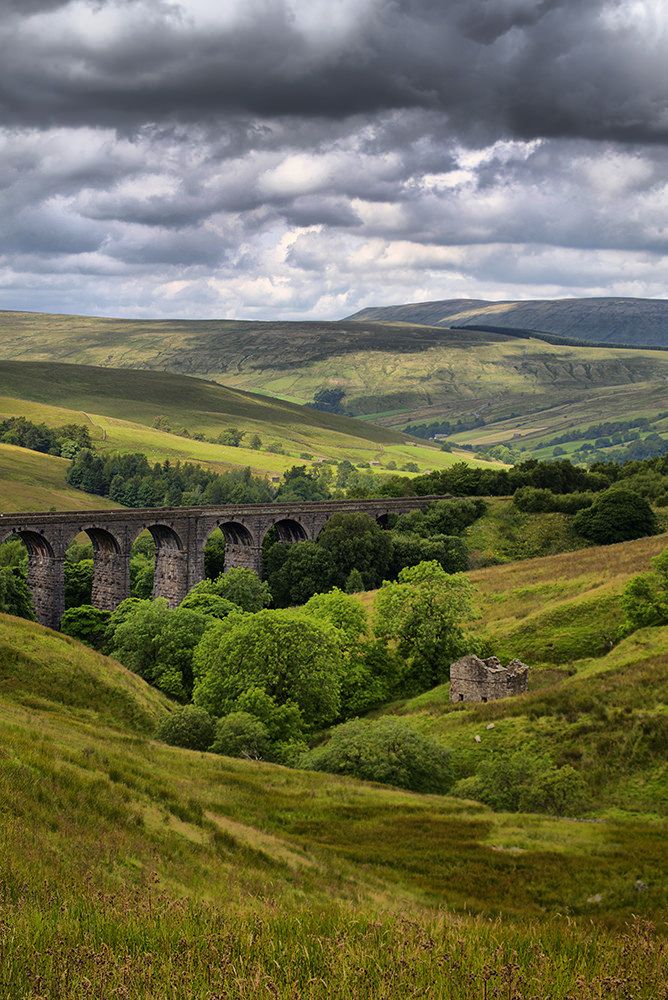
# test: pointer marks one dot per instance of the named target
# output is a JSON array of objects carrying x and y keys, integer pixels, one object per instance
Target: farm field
[
  {"x": 393, "y": 374},
  {"x": 129, "y": 867}
]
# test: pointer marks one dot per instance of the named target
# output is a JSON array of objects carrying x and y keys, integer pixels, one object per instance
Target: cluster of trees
[
  {"x": 354, "y": 553},
  {"x": 261, "y": 683},
  {"x": 132, "y": 481},
  {"x": 445, "y": 427},
  {"x": 66, "y": 440}
]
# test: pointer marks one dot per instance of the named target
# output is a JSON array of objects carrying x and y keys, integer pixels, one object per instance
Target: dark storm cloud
[
  {"x": 302, "y": 157},
  {"x": 518, "y": 67}
]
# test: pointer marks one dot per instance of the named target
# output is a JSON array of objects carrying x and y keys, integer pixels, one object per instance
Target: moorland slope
[
  {"x": 614, "y": 321},
  {"x": 391, "y": 373}
]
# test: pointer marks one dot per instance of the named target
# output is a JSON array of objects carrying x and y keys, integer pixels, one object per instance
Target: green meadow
[
  {"x": 32, "y": 481},
  {"x": 132, "y": 869}
]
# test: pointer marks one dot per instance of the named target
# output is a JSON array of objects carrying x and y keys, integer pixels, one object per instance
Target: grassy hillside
[
  {"x": 32, "y": 481},
  {"x": 642, "y": 322},
  {"x": 595, "y": 702},
  {"x": 129, "y": 868},
  {"x": 120, "y": 407},
  {"x": 392, "y": 374}
]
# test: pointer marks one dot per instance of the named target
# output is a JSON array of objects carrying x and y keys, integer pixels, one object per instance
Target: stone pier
[{"x": 180, "y": 535}]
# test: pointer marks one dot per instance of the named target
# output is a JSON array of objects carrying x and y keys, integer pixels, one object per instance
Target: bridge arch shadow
[{"x": 289, "y": 530}]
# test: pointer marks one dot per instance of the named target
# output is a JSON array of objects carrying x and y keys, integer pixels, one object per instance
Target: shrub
[
  {"x": 386, "y": 750},
  {"x": 541, "y": 501},
  {"x": 356, "y": 541},
  {"x": 209, "y": 604},
  {"x": 522, "y": 781},
  {"x": 296, "y": 572},
  {"x": 342, "y": 611},
  {"x": 87, "y": 624},
  {"x": 78, "y": 582},
  {"x": 240, "y": 734},
  {"x": 355, "y": 582},
  {"x": 617, "y": 515},
  {"x": 372, "y": 674},
  {"x": 15, "y": 596},
  {"x": 158, "y": 644},
  {"x": 645, "y": 599},
  {"x": 190, "y": 727}
]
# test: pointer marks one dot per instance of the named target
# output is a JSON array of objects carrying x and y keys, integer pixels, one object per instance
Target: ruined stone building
[{"x": 473, "y": 679}]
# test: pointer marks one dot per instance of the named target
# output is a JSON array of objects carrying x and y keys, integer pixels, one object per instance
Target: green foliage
[
  {"x": 372, "y": 675},
  {"x": 645, "y": 598},
  {"x": 129, "y": 479},
  {"x": 343, "y": 612},
  {"x": 449, "y": 551},
  {"x": 444, "y": 517},
  {"x": 15, "y": 596},
  {"x": 142, "y": 574},
  {"x": 356, "y": 541},
  {"x": 231, "y": 436},
  {"x": 214, "y": 555},
  {"x": 540, "y": 501},
  {"x": 355, "y": 582},
  {"x": 526, "y": 782},
  {"x": 425, "y": 613},
  {"x": 87, "y": 624},
  {"x": 158, "y": 644},
  {"x": 78, "y": 582},
  {"x": 244, "y": 588},
  {"x": 386, "y": 750},
  {"x": 241, "y": 734},
  {"x": 189, "y": 727},
  {"x": 208, "y": 603},
  {"x": 286, "y": 654},
  {"x": 66, "y": 440},
  {"x": 616, "y": 516},
  {"x": 297, "y": 572}
]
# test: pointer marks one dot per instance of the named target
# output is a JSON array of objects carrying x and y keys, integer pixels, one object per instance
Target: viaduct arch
[{"x": 180, "y": 535}]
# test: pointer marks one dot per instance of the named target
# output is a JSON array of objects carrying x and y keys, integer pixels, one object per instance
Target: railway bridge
[{"x": 180, "y": 535}]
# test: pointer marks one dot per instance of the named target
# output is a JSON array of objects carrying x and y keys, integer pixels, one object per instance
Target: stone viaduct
[{"x": 180, "y": 535}]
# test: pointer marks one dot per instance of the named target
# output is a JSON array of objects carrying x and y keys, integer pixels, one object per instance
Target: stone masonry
[
  {"x": 180, "y": 535},
  {"x": 473, "y": 679}
]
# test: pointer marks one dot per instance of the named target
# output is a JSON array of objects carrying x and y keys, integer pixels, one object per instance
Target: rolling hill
[
  {"x": 30, "y": 481},
  {"x": 132, "y": 868},
  {"x": 614, "y": 321},
  {"x": 121, "y": 409},
  {"x": 393, "y": 375}
]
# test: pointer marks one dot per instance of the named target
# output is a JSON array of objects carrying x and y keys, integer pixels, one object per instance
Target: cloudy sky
[{"x": 306, "y": 158}]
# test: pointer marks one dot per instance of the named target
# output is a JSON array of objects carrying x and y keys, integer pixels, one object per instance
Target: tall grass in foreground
[{"x": 146, "y": 944}]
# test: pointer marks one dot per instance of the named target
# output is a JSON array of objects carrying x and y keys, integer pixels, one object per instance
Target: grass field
[
  {"x": 392, "y": 374},
  {"x": 119, "y": 408},
  {"x": 32, "y": 481},
  {"x": 135, "y": 870}
]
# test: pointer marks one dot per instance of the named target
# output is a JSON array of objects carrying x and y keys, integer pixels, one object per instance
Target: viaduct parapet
[{"x": 180, "y": 535}]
